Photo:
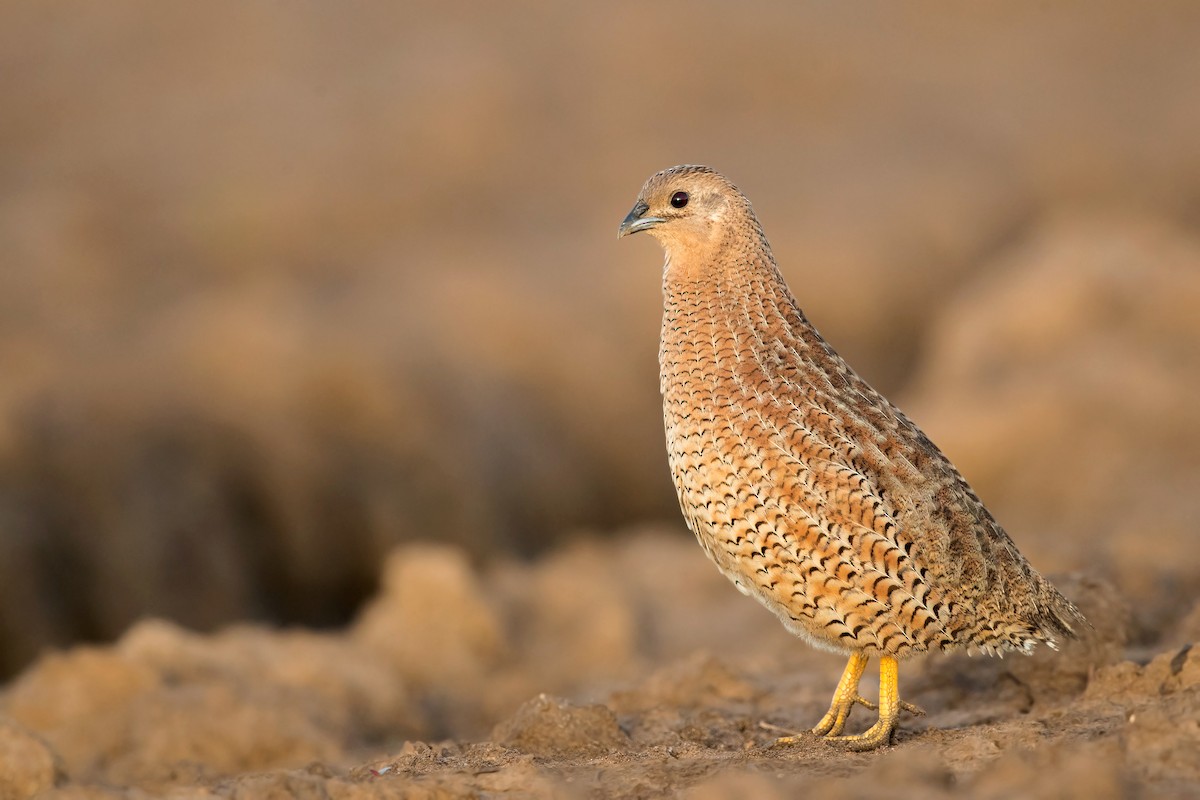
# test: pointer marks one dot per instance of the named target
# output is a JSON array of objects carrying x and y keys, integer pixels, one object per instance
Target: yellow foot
[
  {"x": 835, "y": 719},
  {"x": 890, "y": 706},
  {"x": 830, "y": 727},
  {"x": 878, "y": 735},
  {"x": 847, "y": 696}
]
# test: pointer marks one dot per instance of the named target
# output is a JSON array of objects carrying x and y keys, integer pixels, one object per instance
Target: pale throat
[
  {"x": 717, "y": 264},
  {"x": 695, "y": 253}
]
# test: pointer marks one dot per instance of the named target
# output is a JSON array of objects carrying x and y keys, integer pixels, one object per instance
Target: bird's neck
[
  {"x": 732, "y": 318},
  {"x": 730, "y": 284}
]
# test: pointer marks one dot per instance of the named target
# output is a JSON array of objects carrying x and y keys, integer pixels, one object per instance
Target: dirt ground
[{"x": 622, "y": 668}]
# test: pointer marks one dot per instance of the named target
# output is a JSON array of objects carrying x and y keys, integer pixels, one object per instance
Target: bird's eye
[{"x": 679, "y": 199}]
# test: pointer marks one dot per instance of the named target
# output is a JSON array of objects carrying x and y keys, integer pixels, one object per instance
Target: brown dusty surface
[{"x": 624, "y": 668}]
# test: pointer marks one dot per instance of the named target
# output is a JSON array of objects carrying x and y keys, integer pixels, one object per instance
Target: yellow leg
[
  {"x": 890, "y": 706},
  {"x": 844, "y": 699}
]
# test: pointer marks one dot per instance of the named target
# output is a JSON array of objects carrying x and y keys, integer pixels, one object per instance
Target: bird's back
[{"x": 815, "y": 494}]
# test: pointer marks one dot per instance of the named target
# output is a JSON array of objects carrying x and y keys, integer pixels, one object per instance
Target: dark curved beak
[{"x": 634, "y": 221}]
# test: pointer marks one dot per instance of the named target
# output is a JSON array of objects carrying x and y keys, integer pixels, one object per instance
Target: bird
[{"x": 809, "y": 490}]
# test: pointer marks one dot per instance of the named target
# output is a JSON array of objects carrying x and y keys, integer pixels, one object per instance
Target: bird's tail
[{"x": 1058, "y": 618}]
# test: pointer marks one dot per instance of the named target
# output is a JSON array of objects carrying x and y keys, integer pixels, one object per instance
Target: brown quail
[{"x": 812, "y": 492}]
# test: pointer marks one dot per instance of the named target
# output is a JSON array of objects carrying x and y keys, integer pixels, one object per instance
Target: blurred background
[{"x": 286, "y": 284}]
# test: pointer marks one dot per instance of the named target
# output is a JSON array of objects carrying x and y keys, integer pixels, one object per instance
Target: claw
[
  {"x": 791, "y": 737},
  {"x": 784, "y": 741}
]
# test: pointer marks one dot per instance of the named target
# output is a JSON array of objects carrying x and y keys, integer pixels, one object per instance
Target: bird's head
[{"x": 683, "y": 207}]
